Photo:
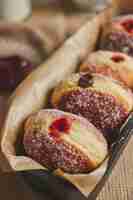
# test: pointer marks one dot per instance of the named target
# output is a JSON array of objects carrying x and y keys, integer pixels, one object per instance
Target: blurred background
[{"x": 19, "y": 10}]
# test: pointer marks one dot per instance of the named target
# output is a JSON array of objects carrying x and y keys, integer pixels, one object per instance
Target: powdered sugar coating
[
  {"x": 55, "y": 154},
  {"x": 101, "y": 109}
]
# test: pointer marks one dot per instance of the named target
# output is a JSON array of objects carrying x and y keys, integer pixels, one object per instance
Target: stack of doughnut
[{"x": 87, "y": 108}]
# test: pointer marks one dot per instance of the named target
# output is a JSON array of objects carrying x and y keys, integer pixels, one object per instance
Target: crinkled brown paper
[{"x": 32, "y": 95}]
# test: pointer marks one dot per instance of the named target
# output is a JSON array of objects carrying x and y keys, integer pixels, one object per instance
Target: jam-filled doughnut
[
  {"x": 113, "y": 64},
  {"x": 119, "y": 36},
  {"x": 60, "y": 140},
  {"x": 103, "y": 101}
]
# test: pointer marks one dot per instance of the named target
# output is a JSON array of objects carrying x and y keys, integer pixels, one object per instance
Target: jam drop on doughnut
[
  {"x": 117, "y": 58},
  {"x": 60, "y": 125},
  {"x": 128, "y": 25}
]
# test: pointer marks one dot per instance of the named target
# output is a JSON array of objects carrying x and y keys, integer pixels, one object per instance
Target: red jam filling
[
  {"x": 13, "y": 69},
  {"x": 60, "y": 125},
  {"x": 85, "y": 80},
  {"x": 128, "y": 25},
  {"x": 117, "y": 58}
]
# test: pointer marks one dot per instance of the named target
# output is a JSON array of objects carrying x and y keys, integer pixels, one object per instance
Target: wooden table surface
[
  {"x": 118, "y": 187},
  {"x": 120, "y": 184}
]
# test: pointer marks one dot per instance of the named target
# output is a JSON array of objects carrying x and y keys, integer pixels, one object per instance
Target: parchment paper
[{"x": 32, "y": 95}]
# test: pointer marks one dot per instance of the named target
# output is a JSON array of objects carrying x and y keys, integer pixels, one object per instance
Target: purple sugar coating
[
  {"x": 54, "y": 154},
  {"x": 118, "y": 41},
  {"x": 100, "y": 109}
]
